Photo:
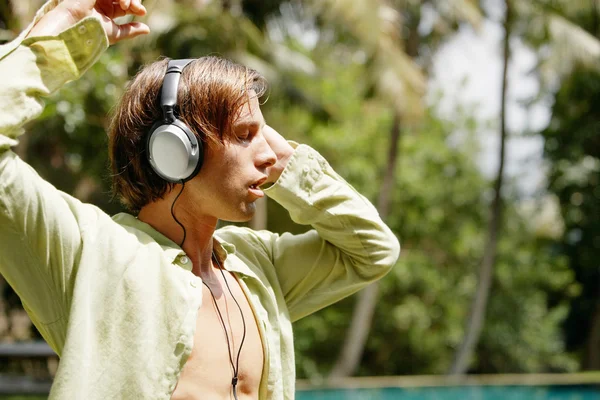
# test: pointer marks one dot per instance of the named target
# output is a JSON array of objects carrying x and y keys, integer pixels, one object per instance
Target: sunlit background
[{"x": 474, "y": 128}]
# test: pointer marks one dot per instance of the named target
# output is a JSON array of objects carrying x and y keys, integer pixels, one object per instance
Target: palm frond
[
  {"x": 377, "y": 27},
  {"x": 460, "y": 11},
  {"x": 360, "y": 17},
  {"x": 570, "y": 46},
  {"x": 569, "y": 8},
  {"x": 564, "y": 43}
]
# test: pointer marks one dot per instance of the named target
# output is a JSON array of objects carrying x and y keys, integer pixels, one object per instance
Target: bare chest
[{"x": 227, "y": 339}]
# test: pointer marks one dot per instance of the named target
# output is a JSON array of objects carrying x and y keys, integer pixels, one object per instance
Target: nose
[{"x": 265, "y": 156}]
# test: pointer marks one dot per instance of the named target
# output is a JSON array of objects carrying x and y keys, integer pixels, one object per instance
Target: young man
[{"x": 157, "y": 304}]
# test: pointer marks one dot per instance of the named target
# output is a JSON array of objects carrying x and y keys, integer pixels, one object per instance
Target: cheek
[
  {"x": 220, "y": 180},
  {"x": 230, "y": 165},
  {"x": 223, "y": 170},
  {"x": 213, "y": 166}
]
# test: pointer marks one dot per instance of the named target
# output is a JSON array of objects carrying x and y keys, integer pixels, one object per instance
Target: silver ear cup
[{"x": 173, "y": 154}]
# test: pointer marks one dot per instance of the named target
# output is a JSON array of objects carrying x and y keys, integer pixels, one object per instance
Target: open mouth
[
  {"x": 256, "y": 185},
  {"x": 255, "y": 188}
]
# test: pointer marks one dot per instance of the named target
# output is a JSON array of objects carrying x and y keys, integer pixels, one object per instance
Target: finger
[
  {"x": 134, "y": 7},
  {"x": 116, "y": 12},
  {"x": 137, "y": 8},
  {"x": 124, "y": 4},
  {"x": 271, "y": 135},
  {"x": 128, "y": 31}
]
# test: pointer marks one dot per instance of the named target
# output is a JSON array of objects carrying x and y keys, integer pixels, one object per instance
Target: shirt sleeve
[
  {"x": 37, "y": 66},
  {"x": 40, "y": 227},
  {"x": 349, "y": 247}
]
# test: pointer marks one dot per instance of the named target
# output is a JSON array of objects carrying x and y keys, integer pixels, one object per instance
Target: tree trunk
[
  {"x": 476, "y": 318},
  {"x": 362, "y": 315},
  {"x": 592, "y": 356}
]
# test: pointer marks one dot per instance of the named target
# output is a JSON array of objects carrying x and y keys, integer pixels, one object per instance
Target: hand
[
  {"x": 70, "y": 12},
  {"x": 282, "y": 150}
]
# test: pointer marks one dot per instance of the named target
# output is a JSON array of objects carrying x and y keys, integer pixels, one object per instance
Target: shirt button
[
  {"x": 305, "y": 169},
  {"x": 89, "y": 42},
  {"x": 184, "y": 260},
  {"x": 81, "y": 29},
  {"x": 193, "y": 284}
]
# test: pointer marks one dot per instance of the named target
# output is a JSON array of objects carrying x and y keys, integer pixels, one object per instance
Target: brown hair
[{"x": 210, "y": 96}]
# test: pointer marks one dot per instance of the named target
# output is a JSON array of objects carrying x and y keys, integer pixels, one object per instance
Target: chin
[
  {"x": 236, "y": 219},
  {"x": 243, "y": 215}
]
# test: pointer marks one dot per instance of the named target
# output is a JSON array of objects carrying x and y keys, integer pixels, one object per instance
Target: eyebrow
[{"x": 249, "y": 124}]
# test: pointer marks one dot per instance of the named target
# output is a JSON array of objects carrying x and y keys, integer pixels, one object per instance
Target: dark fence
[{"x": 11, "y": 384}]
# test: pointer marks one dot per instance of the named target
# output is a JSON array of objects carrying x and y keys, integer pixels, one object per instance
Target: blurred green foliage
[
  {"x": 322, "y": 95},
  {"x": 573, "y": 149}
]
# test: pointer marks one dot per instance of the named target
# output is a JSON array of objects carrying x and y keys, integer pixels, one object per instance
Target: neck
[{"x": 199, "y": 228}]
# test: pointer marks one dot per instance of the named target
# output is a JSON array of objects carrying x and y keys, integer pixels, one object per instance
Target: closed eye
[
  {"x": 246, "y": 131},
  {"x": 244, "y": 136}
]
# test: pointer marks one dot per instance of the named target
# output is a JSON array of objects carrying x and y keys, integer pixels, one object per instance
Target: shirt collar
[
  {"x": 172, "y": 249},
  {"x": 231, "y": 264}
]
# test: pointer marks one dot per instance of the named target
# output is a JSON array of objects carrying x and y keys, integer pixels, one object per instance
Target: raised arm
[
  {"x": 61, "y": 43},
  {"x": 42, "y": 230},
  {"x": 349, "y": 247},
  {"x": 70, "y": 12}
]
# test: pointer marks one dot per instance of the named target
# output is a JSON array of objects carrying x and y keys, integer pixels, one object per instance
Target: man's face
[{"x": 227, "y": 185}]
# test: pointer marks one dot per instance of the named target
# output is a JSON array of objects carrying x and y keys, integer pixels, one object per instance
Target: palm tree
[
  {"x": 573, "y": 29},
  {"x": 478, "y": 309},
  {"x": 400, "y": 81},
  {"x": 545, "y": 24}
]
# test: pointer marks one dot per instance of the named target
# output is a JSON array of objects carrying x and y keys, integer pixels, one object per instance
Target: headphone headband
[{"x": 168, "y": 95}]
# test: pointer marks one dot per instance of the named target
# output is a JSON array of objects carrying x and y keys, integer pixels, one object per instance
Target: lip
[
  {"x": 256, "y": 192},
  {"x": 254, "y": 188},
  {"x": 260, "y": 181}
]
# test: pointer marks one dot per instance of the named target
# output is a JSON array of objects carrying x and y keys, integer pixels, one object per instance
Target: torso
[{"x": 207, "y": 373}]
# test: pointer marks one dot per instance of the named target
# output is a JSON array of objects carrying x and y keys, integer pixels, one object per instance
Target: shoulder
[
  {"x": 237, "y": 235},
  {"x": 246, "y": 241},
  {"x": 251, "y": 253}
]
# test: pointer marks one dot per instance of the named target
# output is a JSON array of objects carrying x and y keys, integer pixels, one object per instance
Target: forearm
[
  {"x": 64, "y": 40},
  {"x": 314, "y": 194},
  {"x": 349, "y": 247},
  {"x": 38, "y": 66}
]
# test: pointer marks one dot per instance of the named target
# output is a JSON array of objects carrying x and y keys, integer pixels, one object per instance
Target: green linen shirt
[{"x": 116, "y": 299}]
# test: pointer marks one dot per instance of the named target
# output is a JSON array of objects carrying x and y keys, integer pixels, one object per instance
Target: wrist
[
  {"x": 56, "y": 21},
  {"x": 73, "y": 14},
  {"x": 276, "y": 170}
]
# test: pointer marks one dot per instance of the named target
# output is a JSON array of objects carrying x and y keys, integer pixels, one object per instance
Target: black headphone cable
[
  {"x": 236, "y": 367},
  {"x": 173, "y": 214}
]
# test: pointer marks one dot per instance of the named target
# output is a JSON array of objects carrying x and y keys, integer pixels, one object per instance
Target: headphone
[{"x": 173, "y": 150}]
